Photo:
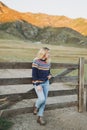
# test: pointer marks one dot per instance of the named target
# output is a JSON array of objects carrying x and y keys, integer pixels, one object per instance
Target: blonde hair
[{"x": 41, "y": 54}]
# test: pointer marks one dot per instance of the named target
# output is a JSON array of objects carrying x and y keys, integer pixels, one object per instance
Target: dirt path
[{"x": 59, "y": 119}]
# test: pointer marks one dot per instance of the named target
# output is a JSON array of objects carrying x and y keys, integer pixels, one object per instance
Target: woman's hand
[{"x": 50, "y": 76}]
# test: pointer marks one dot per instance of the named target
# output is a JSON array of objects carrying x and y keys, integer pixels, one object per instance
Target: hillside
[
  {"x": 61, "y": 36},
  {"x": 50, "y": 35},
  {"x": 43, "y": 20},
  {"x": 18, "y": 29}
]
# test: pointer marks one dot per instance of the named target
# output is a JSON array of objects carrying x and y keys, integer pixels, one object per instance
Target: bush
[{"x": 5, "y": 124}]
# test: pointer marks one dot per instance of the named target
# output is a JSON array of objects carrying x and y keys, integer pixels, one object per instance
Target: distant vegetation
[{"x": 49, "y": 35}]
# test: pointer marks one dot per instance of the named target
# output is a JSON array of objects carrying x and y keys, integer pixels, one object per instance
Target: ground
[{"x": 59, "y": 119}]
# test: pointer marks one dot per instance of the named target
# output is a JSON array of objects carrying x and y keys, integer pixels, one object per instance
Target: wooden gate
[{"x": 7, "y": 100}]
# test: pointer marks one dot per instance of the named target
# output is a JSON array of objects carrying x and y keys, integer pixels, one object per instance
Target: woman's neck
[{"x": 43, "y": 59}]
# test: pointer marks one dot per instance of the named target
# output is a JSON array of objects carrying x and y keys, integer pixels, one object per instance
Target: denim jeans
[{"x": 42, "y": 97}]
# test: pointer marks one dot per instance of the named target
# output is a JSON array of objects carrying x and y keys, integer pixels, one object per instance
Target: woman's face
[{"x": 47, "y": 55}]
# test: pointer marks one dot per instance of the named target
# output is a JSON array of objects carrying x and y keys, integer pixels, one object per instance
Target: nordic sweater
[{"x": 40, "y": 71}]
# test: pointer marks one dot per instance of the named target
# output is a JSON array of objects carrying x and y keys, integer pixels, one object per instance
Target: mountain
[
  {"x": 50, "y": 35},
  {"x": 42, "y": 28},
  {"x": 42, "y": 20}
]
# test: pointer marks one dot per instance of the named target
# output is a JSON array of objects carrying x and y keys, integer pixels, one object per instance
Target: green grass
[{"x": 5, "y": 124}]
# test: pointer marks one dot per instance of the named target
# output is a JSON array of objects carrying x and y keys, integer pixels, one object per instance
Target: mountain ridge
[{"x": 42, "y": 20}]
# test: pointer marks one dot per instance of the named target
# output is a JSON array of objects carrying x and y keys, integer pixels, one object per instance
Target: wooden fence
[{"x": 10, "y": 99}]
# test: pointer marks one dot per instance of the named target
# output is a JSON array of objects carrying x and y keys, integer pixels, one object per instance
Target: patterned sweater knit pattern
[{"x": 40, "y": 71}]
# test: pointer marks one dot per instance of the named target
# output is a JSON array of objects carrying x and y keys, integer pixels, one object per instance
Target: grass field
[{"x": 11, "y": 50}]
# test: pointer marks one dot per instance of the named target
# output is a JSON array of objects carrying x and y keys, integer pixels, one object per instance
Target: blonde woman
[{"x": 41, "y": 75}]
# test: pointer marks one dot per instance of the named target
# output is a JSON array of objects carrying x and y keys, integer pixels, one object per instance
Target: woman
[{"x": 41, "y": 75}]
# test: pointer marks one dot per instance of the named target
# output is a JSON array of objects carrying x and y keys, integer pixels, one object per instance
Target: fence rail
[{"x": 27, "y": 65}]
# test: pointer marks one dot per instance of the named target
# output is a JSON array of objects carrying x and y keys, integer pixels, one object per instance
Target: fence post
[
  {"x": 81, "y": 85},
  {"x": 86, "y": 88}
]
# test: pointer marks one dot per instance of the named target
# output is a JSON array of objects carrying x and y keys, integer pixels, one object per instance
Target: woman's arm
[{"x": 34, "y": 73}]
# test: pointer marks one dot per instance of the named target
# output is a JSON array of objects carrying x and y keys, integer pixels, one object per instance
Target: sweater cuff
[{"x": 36, "y": 84}]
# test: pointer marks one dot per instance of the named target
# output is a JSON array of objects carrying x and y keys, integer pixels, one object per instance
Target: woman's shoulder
[{"x": 35, "y": 60}]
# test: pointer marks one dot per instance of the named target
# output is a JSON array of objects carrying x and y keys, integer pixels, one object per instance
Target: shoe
[
  {"x": 41, "y": 121},
  {"x": 35, "y": 110}
]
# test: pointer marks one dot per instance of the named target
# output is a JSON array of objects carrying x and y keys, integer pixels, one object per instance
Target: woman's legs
[
  {"x": 45, "y": 87},
  {"x": 42, "y": 97}
]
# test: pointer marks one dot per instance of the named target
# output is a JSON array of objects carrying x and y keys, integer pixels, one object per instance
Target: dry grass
[{"x": 11, "y": 50}]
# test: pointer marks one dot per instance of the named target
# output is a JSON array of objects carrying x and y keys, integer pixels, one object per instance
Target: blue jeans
[{"x": 42, "y": 97}]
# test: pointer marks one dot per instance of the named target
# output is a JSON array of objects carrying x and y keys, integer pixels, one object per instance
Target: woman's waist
[
  {"x": 39, "y": 81},
  {"x": 36, "y": 81}
]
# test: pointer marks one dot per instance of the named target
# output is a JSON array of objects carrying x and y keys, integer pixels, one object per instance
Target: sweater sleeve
[
  {"x": 34, "y": 73},
  {"x": 35, "y": 70}
]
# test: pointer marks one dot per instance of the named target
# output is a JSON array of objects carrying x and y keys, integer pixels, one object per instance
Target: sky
[{"x": 69, "y": 8}]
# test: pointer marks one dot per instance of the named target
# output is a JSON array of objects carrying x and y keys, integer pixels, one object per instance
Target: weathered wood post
[
  {"x": 86, "y": 88},
  {"x": 86, "y": 97},
  {"x": 81, "y": 85}
]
